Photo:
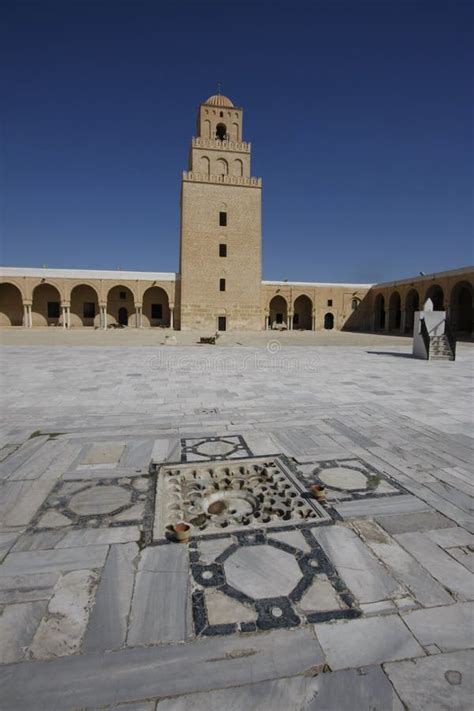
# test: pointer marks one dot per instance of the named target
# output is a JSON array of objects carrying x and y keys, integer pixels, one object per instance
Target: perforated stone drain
[{"x": 217, "y": 498}]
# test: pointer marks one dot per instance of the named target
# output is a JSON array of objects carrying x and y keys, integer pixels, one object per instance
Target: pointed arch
[
  {"x": 222, "y": 167},
  {"x": 436, "y": 294},
  {"x": 329, "y": 321},
  {"x": 237, "y": 168},
  {"x": 11, "y": 305},
  {"x": 156, "y": 308},
  {"x": 278, "y": 312},
  {"x": 204, "y": 165},
  {"x": 84, "y": 306},
  {"x": 120, "y": 299},
  {"x": 46, "y": 306},
  {"x": 303, "y": 313}
]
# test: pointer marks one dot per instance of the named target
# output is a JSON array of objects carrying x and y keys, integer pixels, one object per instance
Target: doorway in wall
[{"x": 123, "y": 316}]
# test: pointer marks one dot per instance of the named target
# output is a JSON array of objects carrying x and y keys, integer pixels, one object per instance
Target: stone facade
[
  {"x": 390, "y": 306},
  {"x": 219, "y": 284},
  {"x": 80, "y": 298},
  {"x": 221, "y": 231}
]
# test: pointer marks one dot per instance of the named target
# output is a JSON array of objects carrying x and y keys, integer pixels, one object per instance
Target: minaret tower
[{"x": 221, "y": 233}]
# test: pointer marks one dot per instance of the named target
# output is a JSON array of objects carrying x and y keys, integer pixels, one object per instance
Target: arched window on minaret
[
  {"x": 238, "y": 168},
  {"x": 235, "y": 132},
  {"x": 221, "y": 131},
  {"x": 207, "y": 129},
  {"x": 204, "y": 165},
  {"x": 221, "y": 167}
]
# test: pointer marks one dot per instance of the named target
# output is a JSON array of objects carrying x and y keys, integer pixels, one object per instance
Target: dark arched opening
[
  {"x": 120, "y": 300},
  {"x": 379, "y": 308},
  {"x": 46, "y": 307},
  {"x": 156, "y": 310},
  {"x": 394, "y": 312},
  {"x": 461, "y": 307},
  {"x": 329, "y": 322},
  {"x": 221, "y": 131},
  {"x": 11, "y": 305},
  {"x": 412, "y": 304},
  {"x": 303, "y": 313},
  {"x": 84, "y": 306},
  {"x": 278, "y": 312},
  {"x": 435, "y": 293}
]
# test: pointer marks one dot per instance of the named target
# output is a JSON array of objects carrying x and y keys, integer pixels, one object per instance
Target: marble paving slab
[
  {"x": 371, "y": 640},
  {"x": 409, "y": 522},
  {"x": 27, "y": 588},
  {"x": 450, "y": 627},
  {"x": 373, "y": 507},
  {"x": 411, "y": 573},
  {"x": 347, "y": 690},
  {"x": 18, "y": 624},
  {"x": 65, "y": 559},
  {"x": 161, "y": 605},
  {"x": 16, "y": 460},
  {"x": 438, "y": 683},
  {"x": 439, "y": 563},
  {"x": 132, "y": 674},
  {"x": 363, "y": 574},
  {"x": 107, "y": 628}
]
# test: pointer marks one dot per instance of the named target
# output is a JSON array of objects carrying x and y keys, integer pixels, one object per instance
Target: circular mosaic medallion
[
  {"x": 99, "y": 500},
  {"x": 343, "y": 478},
  {"x": 212, "y": 449}
]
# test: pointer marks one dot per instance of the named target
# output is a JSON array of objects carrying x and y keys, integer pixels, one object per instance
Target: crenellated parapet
[
  {"x": 217, "y": 145},
  {"x": 221, "y": 179}
]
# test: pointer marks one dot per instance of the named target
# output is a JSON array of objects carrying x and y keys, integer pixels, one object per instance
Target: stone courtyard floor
[{"x": 362, "y": 601}]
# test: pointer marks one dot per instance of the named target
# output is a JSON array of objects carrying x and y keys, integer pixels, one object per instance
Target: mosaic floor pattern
[
  {"x": 101, "y": 503},
  {"x": 261, "y": 580},
  {"x": 348, "y": 480},
  {"x": 214, "y": 448}
]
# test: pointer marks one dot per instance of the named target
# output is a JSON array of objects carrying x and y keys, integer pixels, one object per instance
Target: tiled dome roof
[{"x": 219, "y": 100}]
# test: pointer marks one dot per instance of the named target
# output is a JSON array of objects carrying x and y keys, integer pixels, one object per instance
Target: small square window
[
  {"x": 222, "y": 250},
  {"x": 157, "y": 311},
  {"x": 88, "y": 309},
  {"x": 123, "y": 295},
  {"x": 223, "y": 219},
  {"x": 329, "y": 302},
  {"x": 53, "y": 309},
  {"x": 221, "y": 284},
  {"x": 221, "y": 323}
]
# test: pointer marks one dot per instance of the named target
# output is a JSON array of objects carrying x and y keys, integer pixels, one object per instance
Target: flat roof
[
  {"x": 427, "y": 277},
  {"x": 317, "y": 283},
  {"x": 116, "y": 274}
]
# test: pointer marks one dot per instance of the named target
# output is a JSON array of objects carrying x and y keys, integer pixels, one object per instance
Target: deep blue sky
[{"x": 360, "y": 115}]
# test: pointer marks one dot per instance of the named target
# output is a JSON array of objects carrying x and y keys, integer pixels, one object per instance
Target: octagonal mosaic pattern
[
  {"x": 348, "y": 480},
  {"x": 98, "y": 503},
  {"x": 222, "y": 497},
  {"x": 214, "y": 448},
  {"x": 259, "y": 580}
]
